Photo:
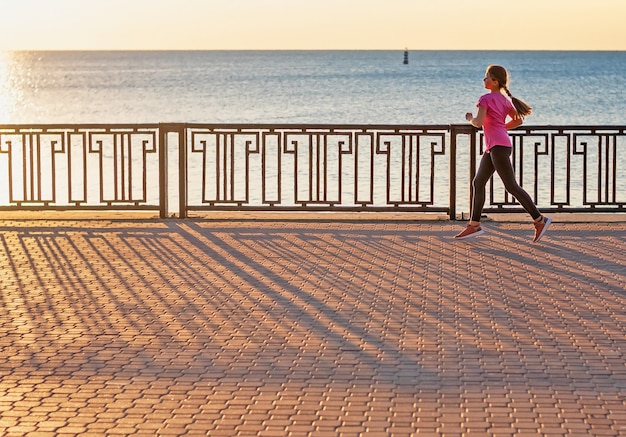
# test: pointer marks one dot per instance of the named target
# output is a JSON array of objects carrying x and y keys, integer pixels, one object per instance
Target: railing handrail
[
  {"x": 316, "y": 126},
  {"x": 48, "y": 126}
]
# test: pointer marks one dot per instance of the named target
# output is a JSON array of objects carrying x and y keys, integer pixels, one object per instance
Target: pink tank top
[{"x": 494, "y": 126}]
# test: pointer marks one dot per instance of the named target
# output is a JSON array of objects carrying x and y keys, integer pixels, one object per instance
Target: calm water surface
[{"x": 437, "y": 87}]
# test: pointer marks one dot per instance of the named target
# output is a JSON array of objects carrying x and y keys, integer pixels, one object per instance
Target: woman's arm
[
  {"x": 479, "y": 119},
  {"x": 516, "y": 120}
]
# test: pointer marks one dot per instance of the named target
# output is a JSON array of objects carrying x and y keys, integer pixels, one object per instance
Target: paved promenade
[{"x": 316, "y": 327}]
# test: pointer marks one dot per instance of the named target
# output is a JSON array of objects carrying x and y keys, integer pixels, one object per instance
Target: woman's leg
[
  {"x": 501, "y": 160},
  {"x": 483, "y": 174}
]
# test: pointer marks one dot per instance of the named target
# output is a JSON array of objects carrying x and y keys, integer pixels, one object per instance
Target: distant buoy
[{"x": 406, "y": 56}]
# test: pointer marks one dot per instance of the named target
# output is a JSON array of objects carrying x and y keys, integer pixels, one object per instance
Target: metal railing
[{"x": 301, "y": 168}]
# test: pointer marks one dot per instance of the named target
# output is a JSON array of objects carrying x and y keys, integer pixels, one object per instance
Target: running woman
[{"x": 493, "y": 110}]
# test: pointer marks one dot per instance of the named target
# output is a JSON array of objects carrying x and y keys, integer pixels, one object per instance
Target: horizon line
[{"x": 306, "y": 50}]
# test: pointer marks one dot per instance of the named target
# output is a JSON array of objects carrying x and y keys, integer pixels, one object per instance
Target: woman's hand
[
  {"x": 516, "y": 120},
  {"x": 479, "y": 119}
]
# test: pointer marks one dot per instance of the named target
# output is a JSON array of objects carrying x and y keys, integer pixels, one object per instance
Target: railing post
[
  {"x": 163, "y": 182},
  {"x": 472, "y": 165},
  {"x": 452, "y": 205},
  {"x": 455, "y": 131},
  {"x": 182, "y": 169},
  {"x": 164, "y": 130}
]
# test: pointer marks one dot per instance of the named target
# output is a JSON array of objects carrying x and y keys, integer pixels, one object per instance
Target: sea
[{"x": 312, "y": 87}]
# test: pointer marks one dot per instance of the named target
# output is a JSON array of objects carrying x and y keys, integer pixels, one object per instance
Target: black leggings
[{"x": 499, "y": 160}]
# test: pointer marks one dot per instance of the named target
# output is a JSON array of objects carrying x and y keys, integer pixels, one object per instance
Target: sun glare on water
[
  {"x": 10, "y": 90},
  {"x": 7, "y": 91},
  {"x": 5, "y": 88}
]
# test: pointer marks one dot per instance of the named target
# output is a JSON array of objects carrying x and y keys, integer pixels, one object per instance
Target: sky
[{"x": 312, "y": 24}]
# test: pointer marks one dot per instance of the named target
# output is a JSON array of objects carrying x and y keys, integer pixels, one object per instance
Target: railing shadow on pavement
[
  {"x": 391, "y": 306},
  {"x": 302, "y": 279}
]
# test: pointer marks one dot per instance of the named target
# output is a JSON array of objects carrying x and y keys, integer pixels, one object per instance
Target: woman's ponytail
[{"x": 522, "y": 108}]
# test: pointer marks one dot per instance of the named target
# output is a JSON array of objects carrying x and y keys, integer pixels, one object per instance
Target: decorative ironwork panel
[
  {"x": 31, "y": 165},
  {"x": 224, "y": 165},
  {"x": 318, "y": 165},
  {"x": 327, "y": 167},
  {"x": 411, "y": 165},
  {"x": 603, "y": 176},
  {"x": 79, "y": 167}
]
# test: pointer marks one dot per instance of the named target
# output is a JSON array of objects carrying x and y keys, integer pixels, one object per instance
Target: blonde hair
[{"x": 499, "y": 73}]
